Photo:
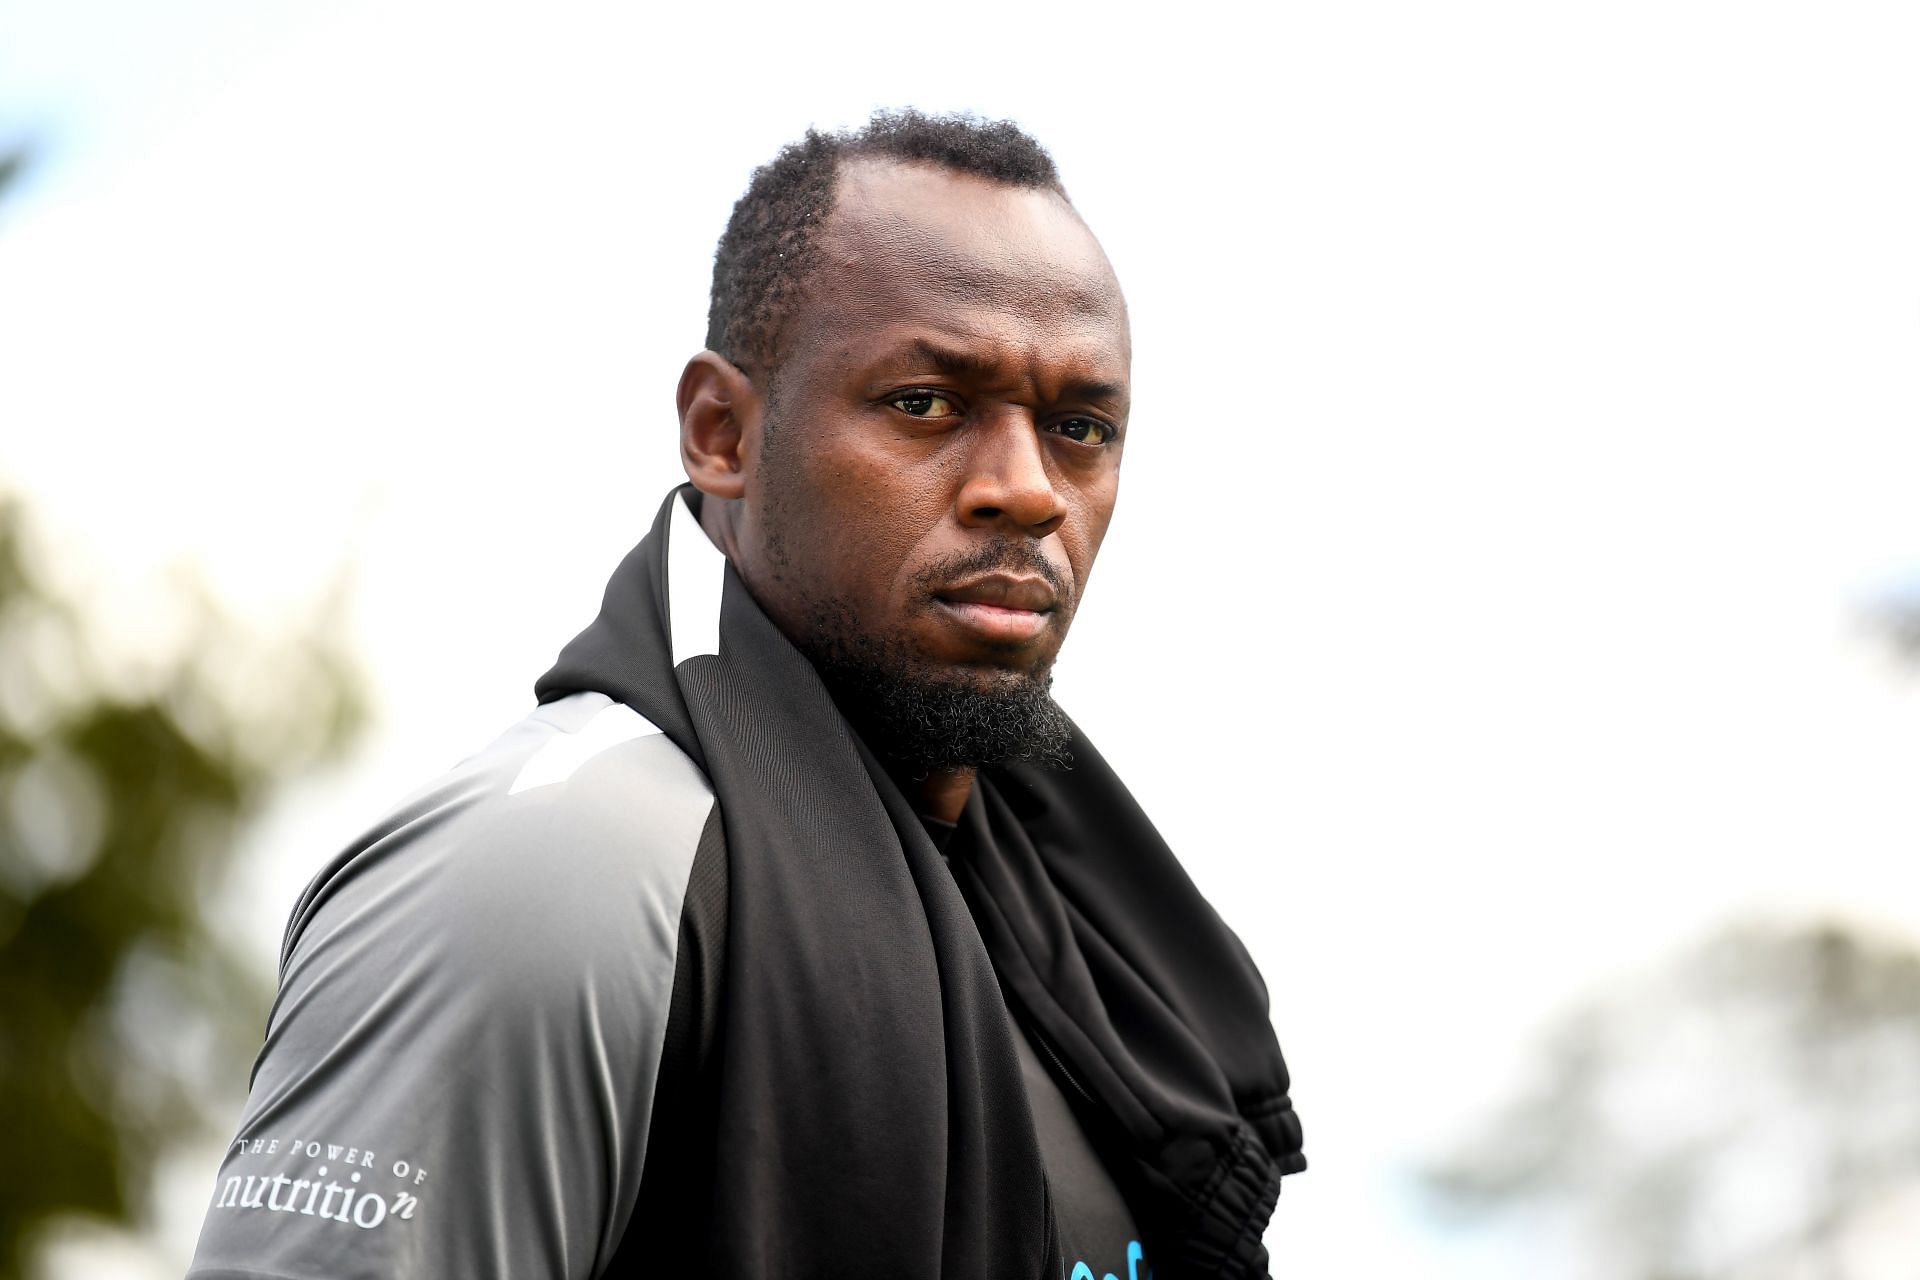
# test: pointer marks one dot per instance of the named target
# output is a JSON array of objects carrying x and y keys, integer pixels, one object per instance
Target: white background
[{"x": 1525, "y": 410}]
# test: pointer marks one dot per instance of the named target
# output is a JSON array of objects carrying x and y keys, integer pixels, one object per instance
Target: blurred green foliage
[
  {"x": 120, "y": 799},
  {"x": 12, "y": 165}
]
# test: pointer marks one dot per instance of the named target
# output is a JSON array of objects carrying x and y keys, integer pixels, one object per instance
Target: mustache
[{"x": 1005, "y": 555}]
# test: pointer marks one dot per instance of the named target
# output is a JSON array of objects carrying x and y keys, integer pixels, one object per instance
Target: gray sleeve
[{"x": 459, "y": 1068}]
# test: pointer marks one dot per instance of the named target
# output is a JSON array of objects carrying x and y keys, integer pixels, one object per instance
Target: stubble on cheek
[{"x": 826, "y": 531}]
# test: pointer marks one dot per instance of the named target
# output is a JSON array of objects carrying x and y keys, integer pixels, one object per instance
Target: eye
[
  {"x": 1084, "y": 431},
  {"x": 925, "y": 404}
]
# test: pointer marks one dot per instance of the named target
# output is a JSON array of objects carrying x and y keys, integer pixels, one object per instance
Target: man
[{"x": 797, "y": 932}]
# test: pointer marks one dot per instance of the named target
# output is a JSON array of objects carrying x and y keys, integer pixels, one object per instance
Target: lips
[
  {"x": 1003, "y": 591},
  {"x": 999, "y": 608}
]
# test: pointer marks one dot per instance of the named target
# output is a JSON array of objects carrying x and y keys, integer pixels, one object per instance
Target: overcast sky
[{"x": 1525, "y": 406}]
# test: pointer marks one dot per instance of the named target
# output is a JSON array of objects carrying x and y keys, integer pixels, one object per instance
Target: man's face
[{"x": 940, "y": 453}]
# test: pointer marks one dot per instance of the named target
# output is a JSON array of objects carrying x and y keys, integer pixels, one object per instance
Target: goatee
[{"x": 919, "y": 716}]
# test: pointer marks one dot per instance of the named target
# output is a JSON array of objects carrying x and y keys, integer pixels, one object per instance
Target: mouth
[{"x": 1000, "y": 608}]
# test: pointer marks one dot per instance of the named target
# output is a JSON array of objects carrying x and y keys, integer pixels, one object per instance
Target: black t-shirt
[{"x": 1098, "y": 1237}]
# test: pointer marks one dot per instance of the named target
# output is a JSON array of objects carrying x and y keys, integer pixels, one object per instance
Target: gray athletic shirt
[{"x": 459, "y": 1068}]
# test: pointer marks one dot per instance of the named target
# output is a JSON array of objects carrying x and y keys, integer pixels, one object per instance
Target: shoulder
[
  {"x": 566, "y": 844},
  {"x": 479, "y": 991}
]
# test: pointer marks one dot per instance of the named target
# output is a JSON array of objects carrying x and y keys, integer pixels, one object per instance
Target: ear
[{"x": 719, "y": 424}]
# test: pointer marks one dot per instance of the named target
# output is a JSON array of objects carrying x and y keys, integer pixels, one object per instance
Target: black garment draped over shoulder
[
  {"x": 1091, "y": 1218},
  {"x": 868, "y": 1115}
]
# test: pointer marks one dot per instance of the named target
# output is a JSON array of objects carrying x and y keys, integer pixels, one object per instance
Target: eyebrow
[
  {"x": 951, "y": 361},
  {"x": 956, "y": 363}
]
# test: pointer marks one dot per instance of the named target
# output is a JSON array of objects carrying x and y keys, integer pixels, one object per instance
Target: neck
[
  {"x": 942, "y": 793},
  {"x": 716, "y": 520}
]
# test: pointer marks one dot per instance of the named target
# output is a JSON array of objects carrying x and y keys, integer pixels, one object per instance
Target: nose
[{"x": 1007, "y": 479}]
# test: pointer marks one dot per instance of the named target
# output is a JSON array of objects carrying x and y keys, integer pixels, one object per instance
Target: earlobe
[{"x": 719, "y": 424}]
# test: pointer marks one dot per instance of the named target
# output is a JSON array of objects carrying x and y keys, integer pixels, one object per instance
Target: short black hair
[{"x": 771, "y": 239}]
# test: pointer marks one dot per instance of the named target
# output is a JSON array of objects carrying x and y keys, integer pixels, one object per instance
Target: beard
[{"x": 920, "y": 716}]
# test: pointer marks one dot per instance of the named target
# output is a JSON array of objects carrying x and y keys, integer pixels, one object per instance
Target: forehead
[{"x": 911, "y": 243}]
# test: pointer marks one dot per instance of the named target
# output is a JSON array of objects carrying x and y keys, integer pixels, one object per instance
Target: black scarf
[{"x": 872, "y": 1120}]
